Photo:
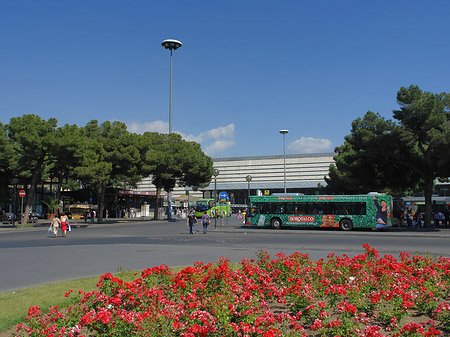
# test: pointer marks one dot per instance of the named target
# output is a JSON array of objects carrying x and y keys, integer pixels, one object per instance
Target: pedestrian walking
[
  {"x": 436, "y": 219},
  {"x": 205, "y": 221},
  {"x": 191, "y": 220},
  {"x": 64, "y": 224},
  {"x": 54, "y": 225}
]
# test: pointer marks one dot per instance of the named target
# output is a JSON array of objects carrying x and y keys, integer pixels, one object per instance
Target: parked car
[
  {"x": 32, "y": 217},
  {"x": 8, "y": 218}
]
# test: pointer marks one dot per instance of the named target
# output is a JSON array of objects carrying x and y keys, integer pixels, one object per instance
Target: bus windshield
[
  {"x": 211, "y": 208},
  {"x": 202, "y": 205}
]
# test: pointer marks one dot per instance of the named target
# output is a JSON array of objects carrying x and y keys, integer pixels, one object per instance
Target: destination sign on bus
[{"x": 295, "y": 218}]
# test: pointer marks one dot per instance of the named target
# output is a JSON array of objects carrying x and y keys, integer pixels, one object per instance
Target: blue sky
[{"x": 246, "y": 68}]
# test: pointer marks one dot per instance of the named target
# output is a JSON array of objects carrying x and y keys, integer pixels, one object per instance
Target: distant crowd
[{"x": 415, "y": 219}]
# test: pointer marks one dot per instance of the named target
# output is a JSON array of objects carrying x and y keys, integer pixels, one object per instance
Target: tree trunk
[
  {"x": 428, "y": 190},
  {"x": 35, "y": 175},
  {"x": 158, "y": 196},
  {"x": 102, "y": 201},
  {"x": 58, "y": 194}
]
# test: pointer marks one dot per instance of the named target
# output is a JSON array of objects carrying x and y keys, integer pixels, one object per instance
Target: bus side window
[
  {"x": 362, "y": 211},
  {"x": 290, "y": 207},
  {"x": 309, "y": 208}
]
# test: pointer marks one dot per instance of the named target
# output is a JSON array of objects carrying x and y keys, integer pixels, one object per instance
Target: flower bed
[{"x": 366, "y": 295}]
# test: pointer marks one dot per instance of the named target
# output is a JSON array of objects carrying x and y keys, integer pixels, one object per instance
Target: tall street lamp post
[
  {"x": 284, "y": 132},
  {"x": 215, "y": 174},
  {"x": 171, "y": 45}
]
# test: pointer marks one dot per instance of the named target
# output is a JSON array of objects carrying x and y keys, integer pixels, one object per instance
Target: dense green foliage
[
  {"x": 169, "y": 160},
  {"x": 95, "y": 157},
  {"x": 385, "y": 155}
]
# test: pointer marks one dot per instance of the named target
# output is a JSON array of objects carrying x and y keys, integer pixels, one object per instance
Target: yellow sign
[{"x": 266, "y": 192}]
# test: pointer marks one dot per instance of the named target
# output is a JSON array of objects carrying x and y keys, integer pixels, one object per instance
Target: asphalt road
[{"x": 31, "y": 256}]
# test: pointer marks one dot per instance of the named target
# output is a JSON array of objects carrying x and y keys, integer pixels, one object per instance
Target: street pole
[
  {"x": 284, "y": 132},
  {"x": 215, "y": 174},
  {"x": 249, "y": 179},
  {"x": 215, "y": 202},
  {"x": 21, "y": 212},
  {"x": 171, "y": 45},
  {"x": 14, "y": 205},
  {"x": 14, "y": 181}
]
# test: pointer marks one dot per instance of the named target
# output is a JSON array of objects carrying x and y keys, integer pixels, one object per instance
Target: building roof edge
[{"x": 301, "y": 155}]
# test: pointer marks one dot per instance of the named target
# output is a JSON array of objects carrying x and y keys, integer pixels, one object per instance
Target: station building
[
  {"x": 239, "y": 177},
  {"x": 264, "y": 175},
  {"x": 304, "y": 172}
]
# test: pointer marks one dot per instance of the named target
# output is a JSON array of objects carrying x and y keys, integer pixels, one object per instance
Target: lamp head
[
  {"x": 284, "y": 131},
  {"x": 171, "y": 44}
]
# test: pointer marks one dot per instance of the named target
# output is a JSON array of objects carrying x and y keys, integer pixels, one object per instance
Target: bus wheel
[
  {"x": 345, "y": 225},
  {"x": 275, "y": 223}
]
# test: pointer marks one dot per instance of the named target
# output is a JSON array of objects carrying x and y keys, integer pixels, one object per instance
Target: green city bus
[
  {"x": 208, "y": 205},
  {"x": 339, "y": 211}
]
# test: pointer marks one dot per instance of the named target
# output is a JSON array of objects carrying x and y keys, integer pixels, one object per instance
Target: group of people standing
[
  {"x": 60, "y": 222},
  {"x": 91, "y": 215},
  {"x": 416, "y": 219}
]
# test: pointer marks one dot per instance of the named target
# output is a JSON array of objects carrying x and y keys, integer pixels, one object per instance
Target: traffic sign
[
  {"x": 223, "y": 196},
  {"x": 21, "y": 193}
]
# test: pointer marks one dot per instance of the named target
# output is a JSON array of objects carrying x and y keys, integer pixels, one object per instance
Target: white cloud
[
  {"x": 213, "y": 141},
  {"x": 310, "y": 145},
  {"x": 156, "y": 126},
  {"x": 217, "y": 133},
  {"x": 218, "y": 147}
]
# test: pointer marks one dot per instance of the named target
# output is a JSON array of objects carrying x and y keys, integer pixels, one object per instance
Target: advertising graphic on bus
[
  {"x": 332, "y": 211},
  {"x": 202, "y": 205}
]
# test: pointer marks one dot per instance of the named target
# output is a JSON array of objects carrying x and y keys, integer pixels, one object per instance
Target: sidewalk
[
  {"x": 234, "y": 224},
  {"x": 44, "y": 223}
]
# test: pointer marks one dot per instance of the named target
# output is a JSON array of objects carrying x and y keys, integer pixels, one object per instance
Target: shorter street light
[
  {"x": 215, "y": 174},
  {"x": 284, "y": 132},
  {"x": 249, "y": 179}
]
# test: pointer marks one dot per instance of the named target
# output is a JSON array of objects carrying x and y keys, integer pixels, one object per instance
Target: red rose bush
[{"x": 366, "y": 295}]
